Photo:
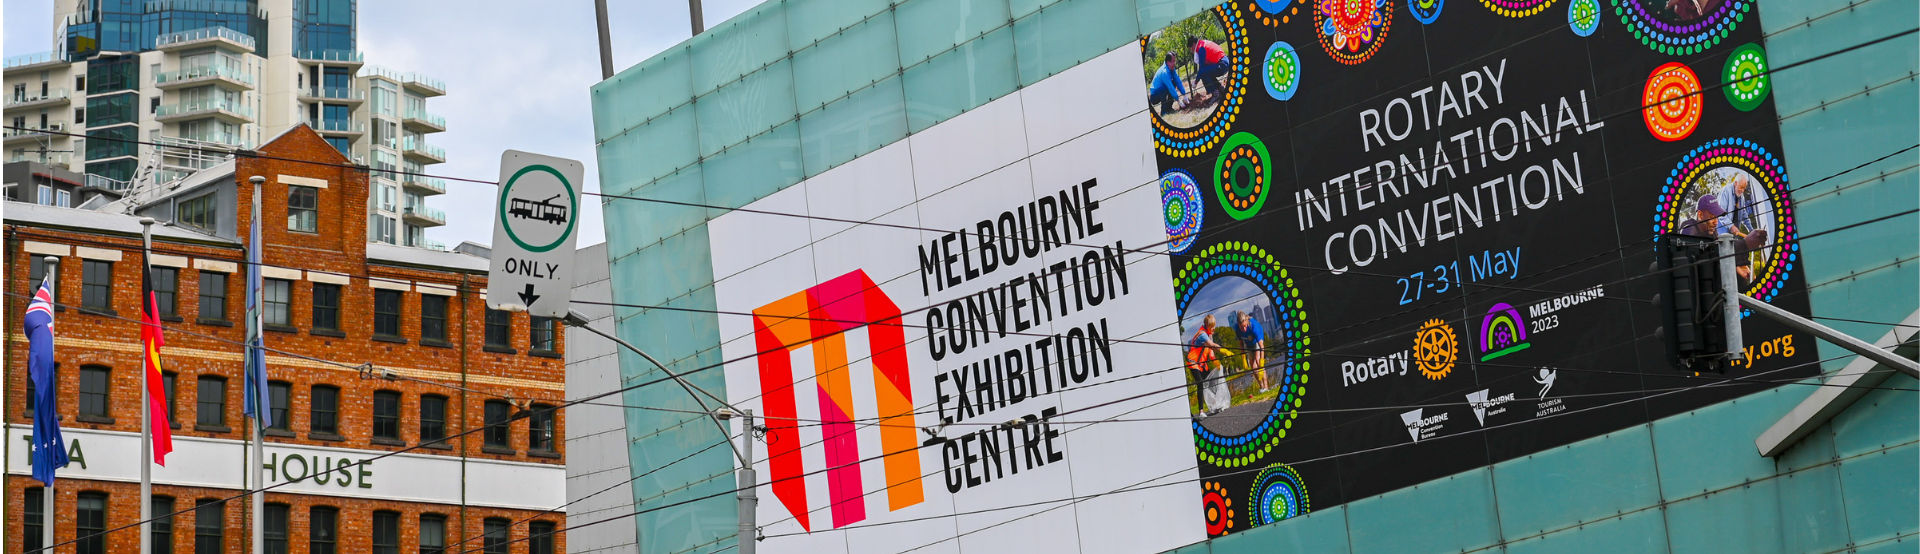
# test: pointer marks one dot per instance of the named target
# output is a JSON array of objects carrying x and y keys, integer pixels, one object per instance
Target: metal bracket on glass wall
[{"x": 1854, "y": 381}]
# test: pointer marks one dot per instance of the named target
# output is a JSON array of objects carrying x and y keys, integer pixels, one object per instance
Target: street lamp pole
[{"x": 748, "y": 498}]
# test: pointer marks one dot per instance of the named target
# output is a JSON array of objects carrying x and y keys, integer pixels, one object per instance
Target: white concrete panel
[
  {"x": 741, "y": 239},
  {"x": 969, "y": 145},
  {"x": 870, "y": 186},
  {"x": 1061, "y": 107}
]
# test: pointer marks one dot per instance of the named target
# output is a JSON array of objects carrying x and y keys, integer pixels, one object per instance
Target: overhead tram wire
[
  {"x": 1142, "y": 485},
  {"x": 1775, "y": 69},
  {"x": 569, "y": 403},
  {"x": 734, "y": 491}
]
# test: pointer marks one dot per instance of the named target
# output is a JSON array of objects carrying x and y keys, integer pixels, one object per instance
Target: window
[
  {"x": 275, "y": 530},
  {"x": 166, "y": 290},
  {"x": 279, "y": 397},
  {"x": 433, "y": 534},
  {"x": 93, "y": 391},
  {"x": 90, "y": 523},
  {"x": 46, "y": 196},
  {"x": 96, "y": 287},
  {"x": 201, "y": 212},
  {"x": 433, "y": 318},
  {"x": 161, "y": 530},
  {"x": 212, "y": 401},
  {"x": 386, "y": 415},
  {"x": 344, "y": 145},
  {"x": 542, "y": 331},
  {"x": 326, "y": 410},
  {"x": 494, "y": 535},
  {"x": 168, "y": 383},
  {"x": 540, "y": 537},
  {"x": 37, "y": 273},
  {"x": 499, "y": 328},
  {"x": 209, "y": 526},
  {"x": 36, "y": 500},
  {"x": 213, "y": 296},
  {"x": 433, "y": 418},
  {"x": 153, "y": 104},
  {"x": 303, "y": 209},
  {"x": 326, "y": 307},
  {"x": 63, "y": 198},
  {"x": 386, "y": 312},
  {"x": 541, "y": 428},
  {"x": 386, "y": 532},
  {"x": 278, "y": 298},
  {"x": 322, "y": 526},
  {"x": 499, "y": 417}
]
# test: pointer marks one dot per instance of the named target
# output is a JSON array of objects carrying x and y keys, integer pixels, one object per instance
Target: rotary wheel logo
[{"x": 1435, "y": 349}]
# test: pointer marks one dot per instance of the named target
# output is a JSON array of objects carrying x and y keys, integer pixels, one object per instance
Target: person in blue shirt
[
  {"x": 1167, "y": 88},
  {"x": 1253, "y": 340}
]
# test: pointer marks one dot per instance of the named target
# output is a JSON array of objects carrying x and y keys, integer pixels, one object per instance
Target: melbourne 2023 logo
[{"x": 820, "y": 317}]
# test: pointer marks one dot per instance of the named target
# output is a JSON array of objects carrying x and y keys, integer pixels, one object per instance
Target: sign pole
[{"x": 749, "y": 497}]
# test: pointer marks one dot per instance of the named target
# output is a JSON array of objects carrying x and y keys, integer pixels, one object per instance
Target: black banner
[{"x": 1414, "y": 237}]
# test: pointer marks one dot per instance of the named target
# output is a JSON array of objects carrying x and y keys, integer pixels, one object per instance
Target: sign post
[{"x": 534, "y": 232}]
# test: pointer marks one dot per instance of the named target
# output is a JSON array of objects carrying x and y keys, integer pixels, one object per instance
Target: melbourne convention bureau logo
[{"x": 820, "y": 317}]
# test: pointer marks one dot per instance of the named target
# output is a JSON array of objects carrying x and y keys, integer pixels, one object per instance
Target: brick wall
[{"x": 202, "y": 345}]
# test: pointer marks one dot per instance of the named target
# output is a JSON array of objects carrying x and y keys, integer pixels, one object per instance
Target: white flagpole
[
  {"x": 146, "y": 403},
  {"x": 263, "y": 405},
  {"x": 48, "y": 514}
]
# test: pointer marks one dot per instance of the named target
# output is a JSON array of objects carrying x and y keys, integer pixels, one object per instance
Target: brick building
[{"x": 330, "y": 296}]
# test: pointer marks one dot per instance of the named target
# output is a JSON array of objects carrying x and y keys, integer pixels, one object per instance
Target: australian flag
[{"x": 48, "y": 447}]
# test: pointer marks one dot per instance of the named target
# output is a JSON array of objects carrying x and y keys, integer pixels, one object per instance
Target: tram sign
[{"x": 534, "y": 233}]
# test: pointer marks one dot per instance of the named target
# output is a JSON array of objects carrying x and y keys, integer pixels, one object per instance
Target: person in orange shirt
[{"x": 1209, "y": 63}]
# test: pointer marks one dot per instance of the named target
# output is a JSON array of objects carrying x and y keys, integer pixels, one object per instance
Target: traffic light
[{"x": 1699, "y": 300}]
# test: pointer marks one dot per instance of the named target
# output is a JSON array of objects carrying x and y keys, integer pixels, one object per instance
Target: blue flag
[
  {"x": 48, "y": 447},
  {"x": 254, "y": 395}
]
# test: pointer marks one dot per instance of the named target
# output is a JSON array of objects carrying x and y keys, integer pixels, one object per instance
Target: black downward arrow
[{"x": 527, "y": 296}]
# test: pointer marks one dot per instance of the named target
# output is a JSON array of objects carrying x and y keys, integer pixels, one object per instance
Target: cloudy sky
[{"x": 517, "y": 74}]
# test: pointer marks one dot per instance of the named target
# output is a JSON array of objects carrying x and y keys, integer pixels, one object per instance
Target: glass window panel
[
  {"x": 93, "y": 391},
  {"x": 278, "y": 294},
  {"x": 90, "y": 523},
  {"x": 1065, "y": 34},
  {"x": 541, "y": 430},
  {"x": 754, "y": 169},
  {"x": 739, "y": 46},
  {"x": 648, "y": 222},
  {"x": 162, "y": 526},
  {"x": 845, "y": 62},
  {"x": 650, "y": 151},
  {"x": 212, "y": 401},
  {"x": 641, "y": 93},
  {"x": 166, "y": 290},
  {"x": 745, "y": 108},
  {"x": 853, "y": 126},
  {"x": 279, "y": 397},
  {"x": 96, "y": 285},
  {"x": 386, "y": 532},
  {"x": 499, "y": 328},
  {"x": 809, "y": 21},
  {"x": 929, "y": 27},
  {"x": 433, "y": 318},
  {"x": 1157, "y": 14},
  {"x": 325, "y": 418},
  {"x": 386, "y": 312},
  {"x": 323, "y": 530},
  {"x": 326, "y": 306},
  {"x": 499, "y": 423},
  {"x": 1023, "y": 8},
  {"x": 276, "y": 528},
  {"x": 433, "y": 418},
  {"x": 433, "y": 533},
  {"x": 961, "y": 79},
  {"x": 494, "y": 536},
  {"x": 209, "y": 526}
]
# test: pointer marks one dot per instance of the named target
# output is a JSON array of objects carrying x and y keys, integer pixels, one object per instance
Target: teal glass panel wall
[{"x": 791, "y": 88}]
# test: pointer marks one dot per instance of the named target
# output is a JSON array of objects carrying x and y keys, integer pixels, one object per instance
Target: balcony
[
  {"x": 233, "y": 112},
  {"x": 103, "y": 182},
  {"x": 22, "y": 135},
  {"x": 333, "y": 95},
  {"x": 424, "y": 85},
  {"x": 206, "y": 36},
  {"x": 37, "y": 60},
  {"x": 423, "y": 216},
  {"x": 422, "y": 121},
  {"x": 424, "y": 186},
  {"x": 339, "y": 127},
  {"x": 415, "y": 148},
  {"x": 53, "y": 97},
  {"x": 331, "y": 57},
  {"x": 57, "y": 159},
  {"x": 229, "y": 77},
  {"x": 206, "y": 139}
]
